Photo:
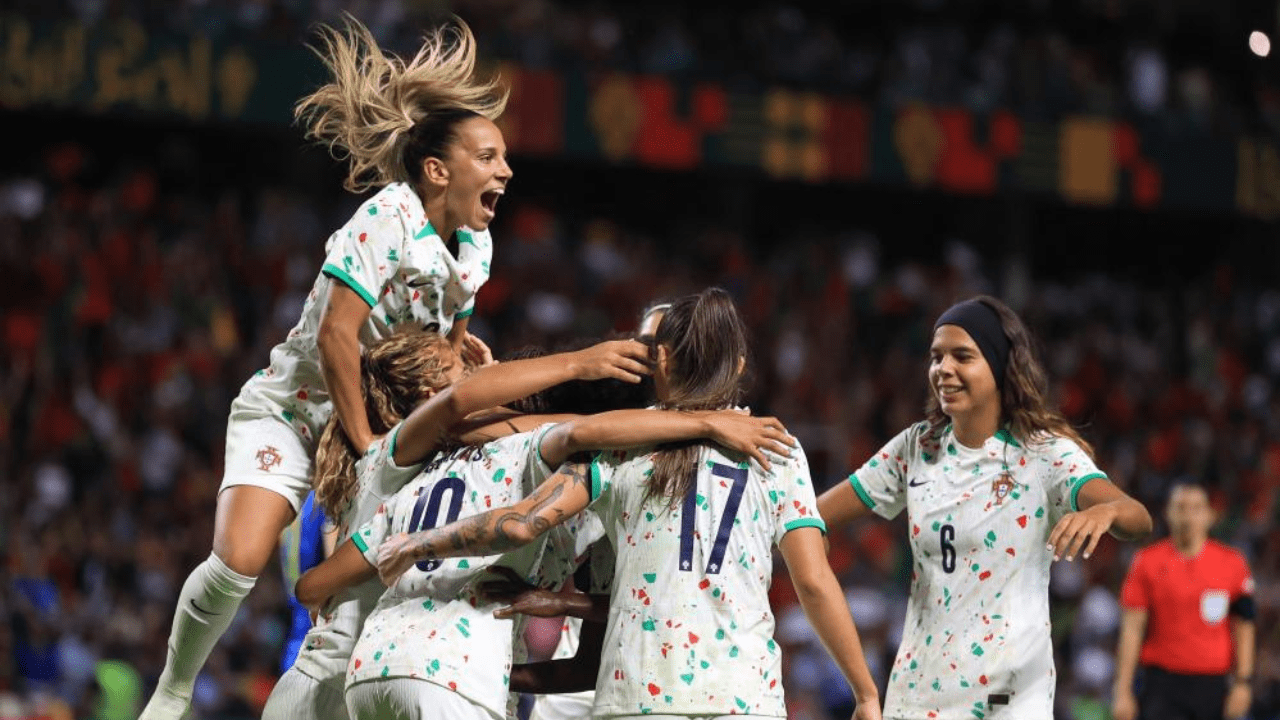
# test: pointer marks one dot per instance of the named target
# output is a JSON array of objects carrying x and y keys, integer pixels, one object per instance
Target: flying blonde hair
[{"x": 376, "y": 101}]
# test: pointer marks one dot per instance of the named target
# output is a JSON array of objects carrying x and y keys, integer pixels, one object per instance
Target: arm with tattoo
[{"x": 562, "y": 496}]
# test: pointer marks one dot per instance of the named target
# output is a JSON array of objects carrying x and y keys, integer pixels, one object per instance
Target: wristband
[{"x": 1242, "y": 680}]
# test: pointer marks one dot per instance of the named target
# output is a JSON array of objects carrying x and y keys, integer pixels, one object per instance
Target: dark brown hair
[
  {"x": 396, "y": 375},
  {"x": 706, "y": 344},
  {"x": 1023, "y": 405}
]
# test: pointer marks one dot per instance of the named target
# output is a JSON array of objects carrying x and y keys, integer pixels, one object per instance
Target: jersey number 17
[{"x": 716, "y": 559}]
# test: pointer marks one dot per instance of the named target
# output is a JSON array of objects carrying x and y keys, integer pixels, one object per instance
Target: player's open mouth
[
  {"x": 948, "y": 392},
  {"x": 489, "y": 200}
]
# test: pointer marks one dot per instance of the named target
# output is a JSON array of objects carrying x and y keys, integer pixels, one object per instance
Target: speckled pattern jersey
[
  {"x": 976, "y": 641},
  {"x": 432, "y": 624},
  {"x": 690, "y": 629},
  {"x": 326, "y": 649},
  {"x": 391, "y": 256}
]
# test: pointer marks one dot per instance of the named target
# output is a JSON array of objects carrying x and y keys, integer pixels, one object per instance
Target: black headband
[{"x": 982, "y": 323}]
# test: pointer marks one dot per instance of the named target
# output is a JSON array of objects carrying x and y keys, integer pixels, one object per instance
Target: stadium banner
[
  {"x": 122, "y": 68},
  {"x": 659, "y": 122}
]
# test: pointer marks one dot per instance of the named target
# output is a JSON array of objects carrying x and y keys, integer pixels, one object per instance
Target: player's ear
[
  {"x": 434, "y": 172},
  {"x": 662, "y": 360}
]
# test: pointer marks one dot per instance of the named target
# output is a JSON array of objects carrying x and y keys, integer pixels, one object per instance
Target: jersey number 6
[
  {"x": 948, "y": 535},
  {"x": 716, "y": 560},
  {"x": 431, "y": 518}
]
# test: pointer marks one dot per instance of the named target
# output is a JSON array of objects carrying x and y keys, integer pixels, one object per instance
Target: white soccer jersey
[
  {"x": 690, "y": 629},
  {"x": 976, "y": 638},
  {"x": 391, "y": 256},
  {"x": 432, "y": 624},
  {"x": 327, "y": 647}
]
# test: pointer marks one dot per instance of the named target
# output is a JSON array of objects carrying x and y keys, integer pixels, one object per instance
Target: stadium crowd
[
  {"x": 134, "y": 306},
  {"x": 1179, "y": 64}
]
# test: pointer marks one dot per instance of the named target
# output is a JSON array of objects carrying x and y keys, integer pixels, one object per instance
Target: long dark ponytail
[{"x": 706, "y": 345}]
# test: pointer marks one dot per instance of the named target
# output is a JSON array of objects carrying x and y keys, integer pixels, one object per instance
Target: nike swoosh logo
[
  {"x": 197, "y": 607},
  {"x": 913, "y": 483},
  {"x": 420, "y": 283}
]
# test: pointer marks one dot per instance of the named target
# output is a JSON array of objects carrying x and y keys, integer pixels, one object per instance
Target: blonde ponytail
[{"x": 376, "y": 101}]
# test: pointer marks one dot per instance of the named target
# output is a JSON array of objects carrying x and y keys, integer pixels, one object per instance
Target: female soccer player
[
  {"x": 400, "y": 373},
  {"x": 412, "y": 257},
  {"x": 577, "y": 706},
  {"x": 690, "y": 631},
  {"x": 431, "y": 648},
  {"x": 996, "y": 485}
]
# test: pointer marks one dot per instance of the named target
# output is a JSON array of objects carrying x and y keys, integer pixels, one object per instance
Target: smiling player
[{"x": 996, "y": 485}]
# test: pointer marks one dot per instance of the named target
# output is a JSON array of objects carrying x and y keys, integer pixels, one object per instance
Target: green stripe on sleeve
[
  {"x": 360, "y": 543},
  {"x": 544, "y": 467},
  {"x": 595, "y": 477},
  {"x": 807, "y": 522},
  {"x": 395, "y": 436},
  {"x": 1075, "y": 489},
  {"x": 465, "y": 313},
  {"x": 339, "y": 274},
  {"x": 857, "y": 487}
]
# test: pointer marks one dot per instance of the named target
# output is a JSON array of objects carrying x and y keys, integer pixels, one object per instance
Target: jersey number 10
[
  {"x": 716, "y": 560},
  {"x": 431, "y": 518}
]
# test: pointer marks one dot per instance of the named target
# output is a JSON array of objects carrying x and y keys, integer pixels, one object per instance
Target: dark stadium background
[{"x": 151, "y": 252}]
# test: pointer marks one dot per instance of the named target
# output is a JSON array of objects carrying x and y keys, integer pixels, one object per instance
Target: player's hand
[
  {"x": 738, "y": 431},
  {"x": 395, "y": 557},
  {"x": 1239, "y": 697},
  {"x": 475, "y": 353},
  {"x": 521, "y": 597},
  {"x": 625, "y": 360},
  {"x": 1080, "y": 530},
  {"x": 1124, "y": 706}
]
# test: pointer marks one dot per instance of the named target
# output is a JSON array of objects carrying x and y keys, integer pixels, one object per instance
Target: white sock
[{"x": 206, "y": 606}]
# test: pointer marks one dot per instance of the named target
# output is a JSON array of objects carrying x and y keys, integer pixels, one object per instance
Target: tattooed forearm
[
  {"x": 503, "y": 529},
  {"x": 578, "y": 473}
]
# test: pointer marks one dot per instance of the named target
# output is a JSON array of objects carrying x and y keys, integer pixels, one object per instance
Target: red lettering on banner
[
  {"x": 1145, "y": 181},
  {"x": 668, "y": 141},
  {"x": 534, "y": 120},
  {"x": 846, "y": 139},
  {"x": 966, "y": 167}
]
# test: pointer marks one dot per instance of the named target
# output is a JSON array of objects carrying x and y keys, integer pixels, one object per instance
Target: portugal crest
[
  {"x": 268, "y": 457},
  {"x": 1001, "y": 487}
]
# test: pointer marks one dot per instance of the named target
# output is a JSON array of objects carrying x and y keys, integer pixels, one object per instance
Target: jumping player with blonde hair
[{"x": 412, "y": 257}]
